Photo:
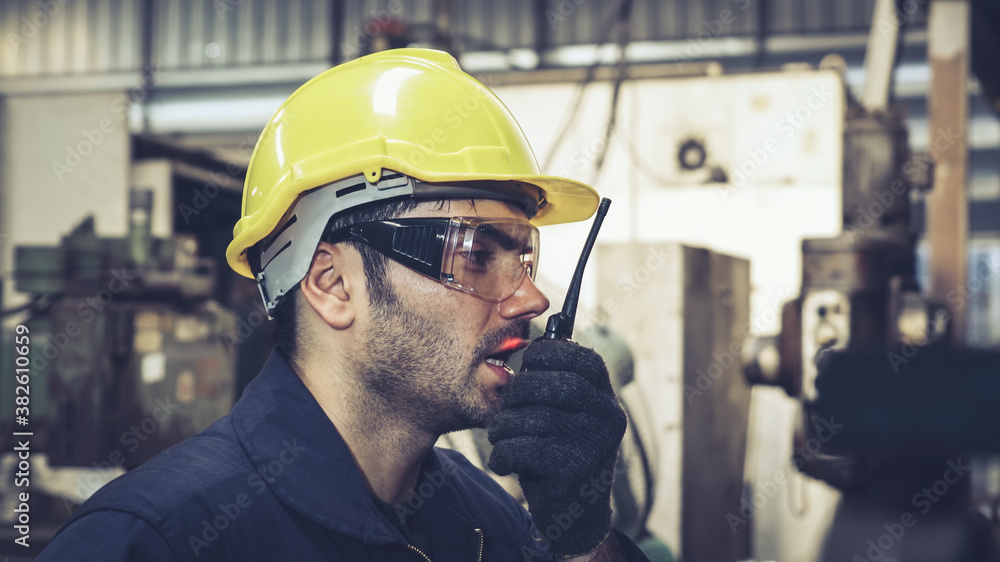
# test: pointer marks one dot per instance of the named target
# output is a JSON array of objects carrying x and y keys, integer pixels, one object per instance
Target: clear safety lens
[{"x": 489, "y": 257}]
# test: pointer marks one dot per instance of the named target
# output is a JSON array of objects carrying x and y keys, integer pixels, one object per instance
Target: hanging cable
[
  {"x": 36, "y": 305},
  {"x": 624, "y": 35},
  {"x": 570, "y": 116}
]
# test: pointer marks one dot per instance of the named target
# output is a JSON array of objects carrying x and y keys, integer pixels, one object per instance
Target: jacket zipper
[
  {"x": 479, "y": 553},
  {"x": 417, "y": 550}
]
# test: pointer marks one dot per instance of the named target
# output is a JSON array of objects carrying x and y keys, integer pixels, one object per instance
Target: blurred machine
[
  {"x": 683, "y": 311},
  {"x": 128, "y": 349},
  {"x": 888, "y": 407},
  {"x": 892, "y": 413}
]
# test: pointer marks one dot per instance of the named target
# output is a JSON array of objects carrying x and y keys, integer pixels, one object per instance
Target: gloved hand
[{"x": 559, "y": 430}]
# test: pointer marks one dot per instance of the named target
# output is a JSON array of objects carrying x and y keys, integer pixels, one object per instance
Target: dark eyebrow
[{"x": 506, "y": 241}]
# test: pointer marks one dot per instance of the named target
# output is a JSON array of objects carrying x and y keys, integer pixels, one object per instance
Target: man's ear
[{"x": 331, "y": 287}]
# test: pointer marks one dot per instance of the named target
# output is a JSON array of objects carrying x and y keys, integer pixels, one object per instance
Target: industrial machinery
[
  {"x": 892, "y": 414},
  {"x": 128, "y": 349},
  {"x": 889, "y": 409}
]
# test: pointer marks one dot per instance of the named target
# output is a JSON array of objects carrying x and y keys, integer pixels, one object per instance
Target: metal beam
[
  {"x": 601, "y": 74},
  {"x": 443, "y": 36},
  {"x": 337, "y": 9},
  {"x": 541, "y": 39},
  {"x": 947, "y": 206},
  {"x": 880, "y": 57}
]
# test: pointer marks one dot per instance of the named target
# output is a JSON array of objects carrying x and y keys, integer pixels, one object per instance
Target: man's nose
[{"x": 527, "y": 302}]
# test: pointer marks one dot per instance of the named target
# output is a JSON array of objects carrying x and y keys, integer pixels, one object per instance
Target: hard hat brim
[{"x": 563, "y": 201}]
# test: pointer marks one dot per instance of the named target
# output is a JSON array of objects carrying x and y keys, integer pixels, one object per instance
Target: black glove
[{"x": 559, "y": 430}]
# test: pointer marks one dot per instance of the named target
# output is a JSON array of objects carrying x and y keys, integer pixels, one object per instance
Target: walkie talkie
[{"x": 560, "y": 325}]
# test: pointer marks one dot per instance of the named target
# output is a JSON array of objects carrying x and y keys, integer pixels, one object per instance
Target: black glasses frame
[{"x": 417, "y": 243}]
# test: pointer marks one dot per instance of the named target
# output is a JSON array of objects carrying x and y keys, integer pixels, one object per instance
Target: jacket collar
[{"x": 298, "y": 452}]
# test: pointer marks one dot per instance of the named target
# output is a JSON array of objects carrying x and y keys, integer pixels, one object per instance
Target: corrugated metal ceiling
[{"x": 60, "y": 37}]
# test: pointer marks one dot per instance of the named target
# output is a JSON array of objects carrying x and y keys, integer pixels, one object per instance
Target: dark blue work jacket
[{"x": 274, "y": 481}]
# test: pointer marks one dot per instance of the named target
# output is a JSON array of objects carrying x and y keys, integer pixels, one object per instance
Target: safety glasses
[{"x": 488, "y": 257}]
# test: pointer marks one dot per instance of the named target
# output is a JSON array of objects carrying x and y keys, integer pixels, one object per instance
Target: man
[{"x": 386, "y": 219}]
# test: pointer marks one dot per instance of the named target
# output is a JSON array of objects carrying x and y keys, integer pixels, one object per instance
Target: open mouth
[{"x": 498, "y": 359}]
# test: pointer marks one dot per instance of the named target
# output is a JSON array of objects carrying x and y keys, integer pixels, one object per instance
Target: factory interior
[{"x": 796, "y": 290}]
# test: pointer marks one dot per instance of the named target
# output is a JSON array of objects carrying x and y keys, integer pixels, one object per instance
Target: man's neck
[{"x": 388, "y": 451}]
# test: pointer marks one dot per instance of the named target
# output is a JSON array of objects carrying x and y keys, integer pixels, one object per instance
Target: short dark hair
[{"x": 286, "y": 310}]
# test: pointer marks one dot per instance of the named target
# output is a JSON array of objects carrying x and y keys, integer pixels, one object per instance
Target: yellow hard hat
[{"x": 412, "y": 111}]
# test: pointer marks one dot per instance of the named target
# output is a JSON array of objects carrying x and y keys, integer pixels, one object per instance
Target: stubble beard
[{"x": 416, "y": 371}]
